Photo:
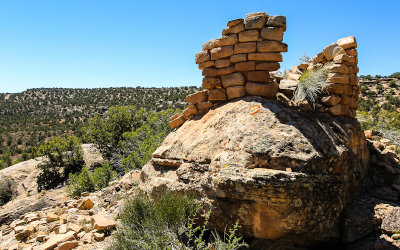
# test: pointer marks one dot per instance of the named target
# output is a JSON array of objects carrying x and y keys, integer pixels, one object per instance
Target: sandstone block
[
  {"x": 245, "y": 66},
  {"x": 339, "y": 109},
  {"x": 235, "y": 79},
  {"x": 177, "y": 122},
  {"x": 57, "y": 239},
  {"x": 347, "y": 42},
  {"x": 238, "y": 57},
  {"x": 202, "y": 56},
  {"x": 210, "y": 82},
  {"x": 228, "y": 40},
  {"x": 248, "y": 36},
  {"x": 235, "y": 22},
  {"x": 206, "y": 64},
  {"x": 331, "y": 100},
  {"x": 221, "y": 63},
  {"x": 74, "y": 227},
  {"x": 268, "y": 66},
  {"x": 245, "y": 48},
  {"x": 271, "y": 57},
  {"x": 271, "y": 46},
  {"x": 338, "y": 78},
  {"x": 101, "y": 223},
  {"x": 51, "y": 217},
  {"x": 338, "y": 68},
  {"x": 255, "y": 22},
  {"x": 347, "y": 89},
  {"x": 352, "y": 113},
  {"x": 211, "y": 44},
  {"x": 257, "y": 14},
  {"x": 197, "y": 97},
  {"x": 233, "y": 29},
  {"x": 355, "y": 69},
  {"x": 225, "y": 71},
  {"x": 235, "y": 92},
  {"x": 217, "y": 95},
  {"x": 272, "y": 33},
  {"x": 319, "y": 57},
  {"x": 68, "y": 245},
  {"x": 276, "y": 21},
  {"x": 175, "y": 116},
  {"x": 190, "y": 111},
  {"x": 334, "y": 88},
  {"x": 304, "y": 65},
  {"x": 221, "y": 52},
  {"x": 98, "y": 236},
  {"x": 258, "y": 76},
  {"x": 86, "y": 204},
  {"x": 205, "y": 105},
  {"x": 351, "y": 52},
  {"x": 345, "y": 58},
  {"x": 353, "y": 79},
  {"x": 22, "y": 232},
  {"x": 350, "y": 101},
  {"x": 210, "y": 71},
  {"x": 333, "y": 50},
  {"x": 268, "y": 90},
  {"x": 293, "y": 76}
]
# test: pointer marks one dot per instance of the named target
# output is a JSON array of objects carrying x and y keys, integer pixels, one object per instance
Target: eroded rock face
[{"x": 281, "y": 173}]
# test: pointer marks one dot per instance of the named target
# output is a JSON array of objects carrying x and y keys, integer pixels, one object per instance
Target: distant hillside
[{"x": 29, "y": 118}]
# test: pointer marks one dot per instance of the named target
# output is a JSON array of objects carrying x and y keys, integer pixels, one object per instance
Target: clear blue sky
[{"x": 96, "y": 43}]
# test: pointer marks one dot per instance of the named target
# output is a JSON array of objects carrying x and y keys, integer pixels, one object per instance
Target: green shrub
[
  {"x": 310, "y": 86},
  {"x": 86, "y": 181},
  {"x": 395, "y": 75},
  {"x": 62, "y": 156},
  {"x": 6, "y": 189},
  {"x": 166, "y": 223}
]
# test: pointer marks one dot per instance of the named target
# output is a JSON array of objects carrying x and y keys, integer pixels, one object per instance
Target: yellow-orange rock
[
  {"x": 271, "y": 46},
  {"x": 267, "y": 90},
  {"x": 248, "y": 47},
  {"x": 217, "y": 95},
  {"x": 248, "y": 36},
  {"x": 221, "y": 52},
  {"x": 101, "y": 223},
  {"x": 347, "y": 42},
  {"x": 197, "y": 97},
  {"x": 235, "y": 92},
  {"x": 271, "y": 57},
  {"x": 272, "y": 33}
]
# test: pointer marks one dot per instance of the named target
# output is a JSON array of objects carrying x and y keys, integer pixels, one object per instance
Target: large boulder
[{"x": 282, "y": 174}]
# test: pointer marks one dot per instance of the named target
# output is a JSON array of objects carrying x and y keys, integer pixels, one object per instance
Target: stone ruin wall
[{"x": 244, "y": 61}]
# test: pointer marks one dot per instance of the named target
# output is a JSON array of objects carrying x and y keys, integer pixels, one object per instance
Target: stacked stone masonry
[{"x": 241, "y": 62}]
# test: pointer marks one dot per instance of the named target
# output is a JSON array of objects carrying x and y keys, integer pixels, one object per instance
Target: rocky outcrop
[{"x": 282, "y": 174}]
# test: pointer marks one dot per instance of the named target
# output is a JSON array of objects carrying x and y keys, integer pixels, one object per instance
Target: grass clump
[
  {"x": 167, "y": 223},
  {"x": 87, "y": 181},
  {"x": 6, "y": 189},
  {"x": 310, "y": 86}
]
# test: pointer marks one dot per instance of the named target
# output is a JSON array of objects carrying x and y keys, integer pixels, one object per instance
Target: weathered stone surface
[
  {"x": 353, "y": 79},
  {"x": 202, "y": 56},
  {"x": 351, "y": 52},
  {"x": 233, "y": 29},
  {"x": 287, "y": 87},
  {"x": 270, "y": 166},
  {"x": 228, "y": 40},
  {"x": 235, "y": 92},
  {"x": 245, "y": 66},
  {"x": 68, "y": 245},
  {"x": 345, "y": 58},
  {"x": 258, "y": 76},
  {"x": 74, "y": 227},
  {"x": 339, "y": 109},
  {"x": 338, "y": 78},
  {"x": 255, "y": 22},
  {"x": 238, "y": 57},
  {"x": 221, "y": 63},
  {"x": 225, "y": 71},
  {"x": 221, "y": 52},
  {"x": 206, "y": 64},
  {"x": 333, "y": 88},
  {"x": 56, "y": 239},
  {"x": 267, "y": 90},
  {"x": 272, "y": 33},
  {"x": 205, "y": 105},
  {"x": 235, "y": 22},
  {"x": 217, "y": 95},
  {"x": 210, "y": 72},
  {"x": 177, "y": 121},
  {"x": 338, "y": 68},
  {"x": 235, "y": 79},
  {"x": 101, "y": 223},
  {"x": 86, "y": 204},
  {"x": 51, "y": 217},
  {"x": 22, "y": 232},
  {"x": 277, "y": 21},
  {"x": 197, "y": 97},
  {"x": 268, "y": 66},
  {"x": 333, "y": 50},
  {"x": 347, "y": 42},
  {"x": 271, "y": 57},
  {"x": 271, "y": 46},
  {"x": 190, "y": 111},
  {"x": 292, "y": 76},
  {"x": 248, "y": 36},
  {"x": 175, "y": 116},
  {"x": 211, "y": 44},
  {"x": 211, "y": 82},
  {"x": 331, "y": 100},
  {"x": 98, "y": 236},
  {"x": 245, "y": 48},
  {"x": 304, "y": 65},
  {"x": 391, "y": 222},
  {"x": 257, "y": 14}
]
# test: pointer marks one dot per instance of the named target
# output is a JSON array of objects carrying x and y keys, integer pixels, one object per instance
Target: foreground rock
[{"x": 281, "y": 173}]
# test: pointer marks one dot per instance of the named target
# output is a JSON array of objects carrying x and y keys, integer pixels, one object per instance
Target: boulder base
[{"x": 278, "y": 172}]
